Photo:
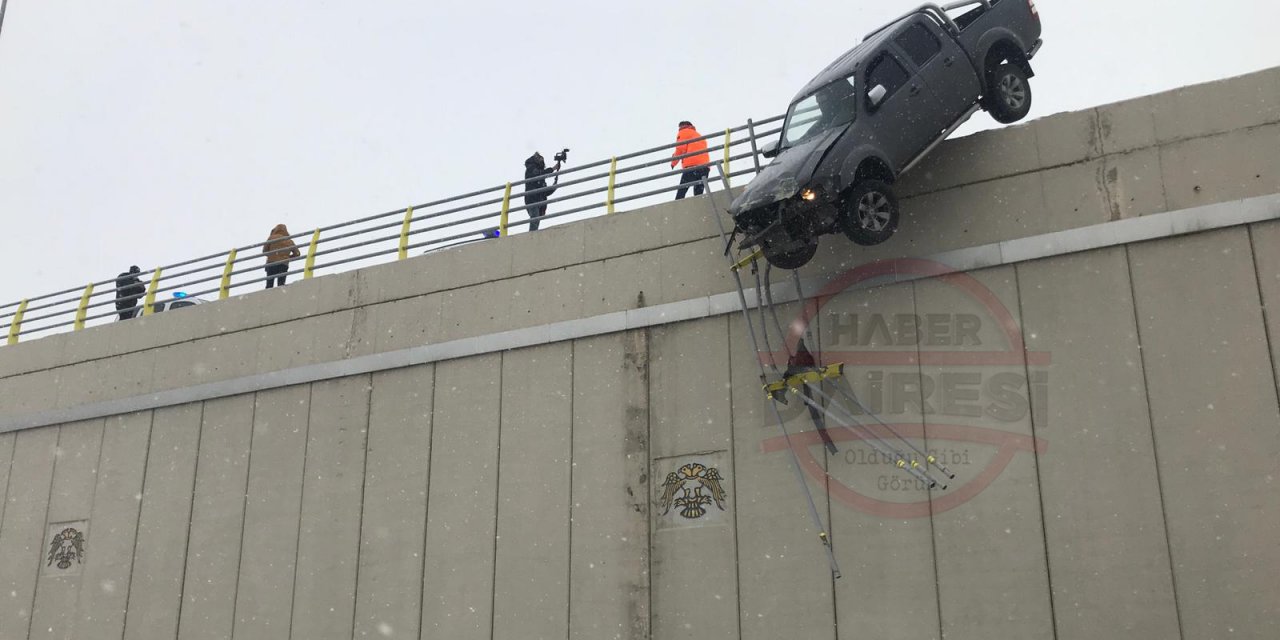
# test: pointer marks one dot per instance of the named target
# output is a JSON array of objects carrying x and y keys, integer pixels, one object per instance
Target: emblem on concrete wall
[
  {"x": 66, "y": 548},
  {"x": 685, "y": 488}
]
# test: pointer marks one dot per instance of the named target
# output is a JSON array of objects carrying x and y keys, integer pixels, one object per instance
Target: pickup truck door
[
  {"x": 943, "y": 66},
  {"x": 897, "y": 125}
]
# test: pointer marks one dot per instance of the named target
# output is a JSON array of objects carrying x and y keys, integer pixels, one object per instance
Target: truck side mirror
[
  {"x": 876, "y": 95},
  {"x": 770, "y": 149}
]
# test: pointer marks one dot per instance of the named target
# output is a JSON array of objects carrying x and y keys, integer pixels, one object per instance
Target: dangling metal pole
[
  {"x": 898, "y": 455},
  {"x": 797, "y": 360},
  {"x": 931, "y": 459},
  {"x": 849, "y": 422},
  {"x": 808, "y": 326},
  {"x": 755, "y": 153},
  {"x": 768, "y": 297},
  {"x": 755, "y": 345},
  {"x": 764, "y": 327}
]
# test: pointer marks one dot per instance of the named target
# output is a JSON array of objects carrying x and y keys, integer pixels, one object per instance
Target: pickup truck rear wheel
[
  {"x": 1009, "y": 94},
  {"x": 869, "y": 213}
]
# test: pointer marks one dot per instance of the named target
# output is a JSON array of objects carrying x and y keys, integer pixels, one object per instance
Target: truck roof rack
[{"x": 938, "y": 13}]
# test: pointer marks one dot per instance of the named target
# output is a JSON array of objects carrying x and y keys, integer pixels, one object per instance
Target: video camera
[{"x": 563, "y": 156}]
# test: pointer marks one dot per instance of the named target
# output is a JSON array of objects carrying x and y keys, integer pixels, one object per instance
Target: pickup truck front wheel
[
  {"x": 1009, "y": 94},
  {"x": 869, "y": 213},
  {"x": 794, "y": 259}
]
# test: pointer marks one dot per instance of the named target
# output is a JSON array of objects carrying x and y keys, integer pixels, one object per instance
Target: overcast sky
[{"x": 148, "y": 131}]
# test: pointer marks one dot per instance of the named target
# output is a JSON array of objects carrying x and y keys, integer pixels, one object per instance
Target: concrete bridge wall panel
[
  {"x": 160, "y": 550},
  {"x": 889, "y": 559},
  {"x": 219, "y": 503},
  {"x": 1213, "y": 405},
  {"x": 609, "y": 577},
  {"x": 1098, "y": 477},
  {"x": 457, "y": 600},
  {"x": 267, "y": 559},
  {"x": 531, "y": 566},
  {"x": 388, "y": 591},
  {"x": 992, "y": 578},
  {"x": 784, "y": 588},
  {"x": 22, "y": 533}
]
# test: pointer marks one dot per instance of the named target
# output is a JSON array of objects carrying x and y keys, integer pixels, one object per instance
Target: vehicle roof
[{"x": 845, "y": 65}]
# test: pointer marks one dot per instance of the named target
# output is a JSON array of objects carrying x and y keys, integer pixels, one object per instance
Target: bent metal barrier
[{"x": 435, "y": 225}]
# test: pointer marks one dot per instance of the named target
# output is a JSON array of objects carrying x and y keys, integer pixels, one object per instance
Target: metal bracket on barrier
[
  {"x": 813, "y": 376},
  {"x": 506, "y": 208},
  {"x": 311, "y": 255},
  {"x": 404, "y": 234},
  {"x": 613, "y": 174},
  {"x": 83, "y": 309},
  {"x": 149, "y": 303},
  {"x": 224, "y": 287},
  {"x": 748, "y": 261},
  {"x": 728, "y": 137},
  {"x": 15, "y": 325}
]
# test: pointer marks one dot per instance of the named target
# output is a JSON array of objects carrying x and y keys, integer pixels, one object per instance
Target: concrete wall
[{"x": 1111, "y": 416}]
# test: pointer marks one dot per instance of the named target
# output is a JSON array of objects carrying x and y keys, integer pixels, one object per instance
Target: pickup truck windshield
[{"x": 831, "y": 106}]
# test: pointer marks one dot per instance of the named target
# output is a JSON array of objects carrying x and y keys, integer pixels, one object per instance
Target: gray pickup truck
[{"x": 874, "y": 113}]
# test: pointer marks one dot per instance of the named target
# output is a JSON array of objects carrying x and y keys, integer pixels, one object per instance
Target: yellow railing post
[
  {"x": 506, "y": 207},
  {"x": 83, "y": 309},
  {"x": 404, "y": 234},
  {"x": 149, "y": 302},
  {"x": 613, "y": 173},
  {"x": 15, "y": 325},
  {"x": 224, "y": 287},
  {"x": 727, "y": 137},
  {"x": 311, "y": 255}
]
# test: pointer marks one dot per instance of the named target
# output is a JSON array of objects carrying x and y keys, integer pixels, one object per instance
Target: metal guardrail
[{"x": 453, "y": 221}]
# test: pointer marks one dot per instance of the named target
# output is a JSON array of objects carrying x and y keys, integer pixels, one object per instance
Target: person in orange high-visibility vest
[{"x": 695, "y": 166}]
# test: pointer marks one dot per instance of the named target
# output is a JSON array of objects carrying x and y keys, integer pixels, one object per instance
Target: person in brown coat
[{"x": 280, "y": 249}]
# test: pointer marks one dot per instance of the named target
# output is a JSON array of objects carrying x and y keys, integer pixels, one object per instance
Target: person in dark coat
[
  {"x": 535, "y": 170},
  {"x": 128, "y": 289}
]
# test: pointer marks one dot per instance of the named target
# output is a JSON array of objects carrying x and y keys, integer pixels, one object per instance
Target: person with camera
[
  {"x": 128, "y": 289},
  {"x": 695, "y": 166},
  {"x": 535, "y": 172}
]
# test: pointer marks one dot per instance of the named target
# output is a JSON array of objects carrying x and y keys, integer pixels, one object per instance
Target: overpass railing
[{"x": 595, "y": 188}]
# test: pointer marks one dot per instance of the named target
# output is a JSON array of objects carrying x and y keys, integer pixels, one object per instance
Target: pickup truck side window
[
  {"x": 885, "y": 70},
  {"x": 969, "y": 17},
  {"x": 919, "y": 43}
]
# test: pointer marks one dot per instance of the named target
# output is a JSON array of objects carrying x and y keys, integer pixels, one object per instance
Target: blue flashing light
[{"x": 179, "y": 294}]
